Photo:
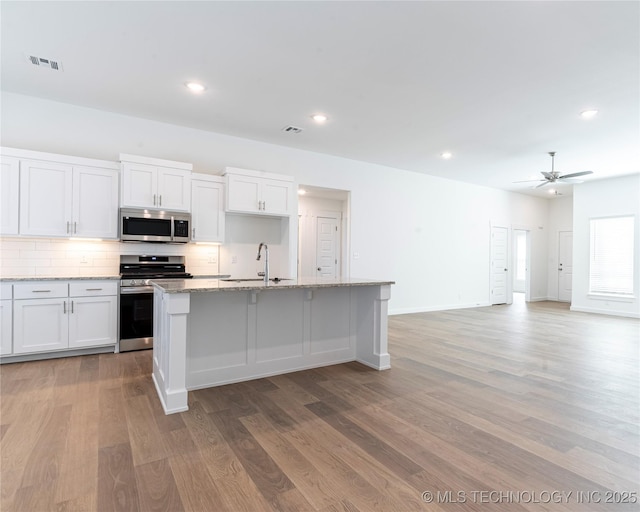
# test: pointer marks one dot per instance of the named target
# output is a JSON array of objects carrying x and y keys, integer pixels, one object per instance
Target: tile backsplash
[{"x": 47, "y": 257}]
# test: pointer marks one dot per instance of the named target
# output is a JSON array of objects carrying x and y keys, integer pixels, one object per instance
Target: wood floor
[{"x": 502, "y": 408}]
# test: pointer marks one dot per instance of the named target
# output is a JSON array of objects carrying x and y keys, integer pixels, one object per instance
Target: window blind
[{"x": 611, "y": 259}]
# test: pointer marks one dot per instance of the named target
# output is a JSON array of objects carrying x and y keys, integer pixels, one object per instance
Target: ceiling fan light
[
  {"x": 195, "y": 87},
  {"x": 588, "y": 114}
]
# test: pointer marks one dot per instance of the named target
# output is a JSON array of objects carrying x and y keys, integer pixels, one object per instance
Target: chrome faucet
[{"x": 265, "y": 274}]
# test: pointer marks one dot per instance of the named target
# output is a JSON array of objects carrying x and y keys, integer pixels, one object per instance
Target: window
[{"x": 611, "y": 256}]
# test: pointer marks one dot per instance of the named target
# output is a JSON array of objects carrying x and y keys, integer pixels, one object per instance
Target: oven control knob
[{"x": 132, "y": 282}]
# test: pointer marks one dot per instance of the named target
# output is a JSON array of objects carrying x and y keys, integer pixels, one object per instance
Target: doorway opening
[
  {"x": 323, "y": 232},
  {"x": 521, "y": 263}
]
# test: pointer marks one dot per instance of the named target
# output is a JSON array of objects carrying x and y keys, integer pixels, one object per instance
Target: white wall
[
  {"x": 429, "y": 234},
  {"x": 560, "y": 219},
  {"x": 603, "y": 198}
]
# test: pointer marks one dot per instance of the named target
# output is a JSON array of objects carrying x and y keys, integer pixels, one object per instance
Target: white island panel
[{"x": 207, "y": 335}]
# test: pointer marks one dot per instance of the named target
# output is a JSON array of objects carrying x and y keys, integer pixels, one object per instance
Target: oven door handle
[{"x": 130, "y": 290}]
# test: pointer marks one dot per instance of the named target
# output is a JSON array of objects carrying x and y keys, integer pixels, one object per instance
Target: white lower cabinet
[
  {"x": 6, "y": 327},
  {"x": 40, "y": 325},
  {"x": 71, "y": 315},
  {"x": 92, "y": 321}
]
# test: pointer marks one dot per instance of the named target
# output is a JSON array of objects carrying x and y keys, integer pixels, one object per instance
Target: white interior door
[
  {"x": 499, "y": 268},
  {"x": 327, "y": 247},
  {"x": 565, "y": 265}
]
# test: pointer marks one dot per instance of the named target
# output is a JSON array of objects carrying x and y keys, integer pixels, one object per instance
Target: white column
[
  {"x": 170, "y": 349},
  {"x": 372, "y": 326}
]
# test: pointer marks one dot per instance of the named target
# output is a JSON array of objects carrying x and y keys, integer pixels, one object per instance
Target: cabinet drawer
[
  {"x": 92, "y": 288},
  {"x": 40, "y": 290},
  {"x": 5, "y": 291}
]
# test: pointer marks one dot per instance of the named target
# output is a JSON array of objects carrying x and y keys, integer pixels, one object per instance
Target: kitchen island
[{"x": 209, "y": 332}]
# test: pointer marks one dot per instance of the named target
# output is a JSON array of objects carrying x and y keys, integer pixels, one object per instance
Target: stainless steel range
[{"x": 136, "y": 296}]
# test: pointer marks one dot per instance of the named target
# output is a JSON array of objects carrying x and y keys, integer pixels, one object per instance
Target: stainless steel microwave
[{"x": 140, "y": 225}]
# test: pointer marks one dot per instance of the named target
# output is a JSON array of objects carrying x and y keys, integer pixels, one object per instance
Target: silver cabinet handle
[
  {"x": 72, "y": 306},
  {"x": 67, "y": 227},
  {"x": 193, "y": 233},
  {"x": 93, "y": 289},
  {"x": 154, "y": 199},
  {"x": 64, "y": 307},
  {"x": 160, "y": 200},
  {"x": 40, "y": 291},
  {"x": 75, "y": 227}
]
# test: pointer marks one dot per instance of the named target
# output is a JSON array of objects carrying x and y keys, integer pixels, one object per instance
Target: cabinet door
[
  {"x": 243, "y": 194},
  {"x": 40, "y": 325},
  {"x": 207, "y": 211},
  {"x": 139, "y": 185},
  {"x": 9, "y": 187},
  {"x": 92, "y": 321},
  {"x": 5, "y": 327},
  {"x": 276, "y": 197},
  {"x": 95, "y": 203},
  {"x": 174, "y": 189},
  {"x": 45, "y": 198}
]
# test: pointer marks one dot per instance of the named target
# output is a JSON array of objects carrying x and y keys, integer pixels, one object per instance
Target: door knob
[{"x": 319, "y": 269}]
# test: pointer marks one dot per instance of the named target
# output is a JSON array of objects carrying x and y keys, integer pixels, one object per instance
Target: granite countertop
[
  {"x": 65, "y": 278},
  {"x": 217, "y": 285}
]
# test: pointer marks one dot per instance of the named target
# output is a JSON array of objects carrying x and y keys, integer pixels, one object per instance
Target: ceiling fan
[{"x": 555, "y": 177}]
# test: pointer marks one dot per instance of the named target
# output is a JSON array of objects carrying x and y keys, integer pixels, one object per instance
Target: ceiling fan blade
[
  {"x": 526, "y": 181},
  {"x": 546, "y": 182},
  {"x": 573, "y": 175},
  {"x": 547, "y": 175},
  {"x": 570, "y": 180}
]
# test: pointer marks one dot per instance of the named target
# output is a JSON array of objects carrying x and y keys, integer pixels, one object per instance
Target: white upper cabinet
[
  {"x": 9, "y": 189},
  {"x": 156, "y": 184},
  {"x": 59, "y": 196},
  {"x": 207, "y": 208},
  {"x": 259, "y": 192},
  {"x": 67, "y": 200},
  {"x": 45, "y": 198},
  {"x": 95, "y": 203}
]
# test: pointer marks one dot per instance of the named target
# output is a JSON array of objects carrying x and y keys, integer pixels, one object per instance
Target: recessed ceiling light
[
  {"x": 195, "y": 86},
  {"x": 301, "y": 191},
  {"x": 319, "y": 118},
  {"x": 588, "y": 114},
  {"x": 446, "y": 155}
]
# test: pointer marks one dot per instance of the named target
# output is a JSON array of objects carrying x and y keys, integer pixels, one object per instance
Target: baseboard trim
[
  {"x": 406, "y": 311},
  {"x": 625, "y": 314}
]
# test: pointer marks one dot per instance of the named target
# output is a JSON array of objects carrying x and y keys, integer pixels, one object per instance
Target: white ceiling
[{"x": 499, "y": 84}]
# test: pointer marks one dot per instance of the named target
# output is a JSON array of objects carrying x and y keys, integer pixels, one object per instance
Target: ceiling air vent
[
  {"x": 291, "y": 129},
  {"x": 43, "y": 62}
]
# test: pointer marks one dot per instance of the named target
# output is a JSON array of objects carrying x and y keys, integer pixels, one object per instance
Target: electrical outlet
[
  {"x": 356, "y": 255},
  {"x": 84, "y": 259},
  {"x": 234, "y": 259},
  {"x": 212, "y": 258}
]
